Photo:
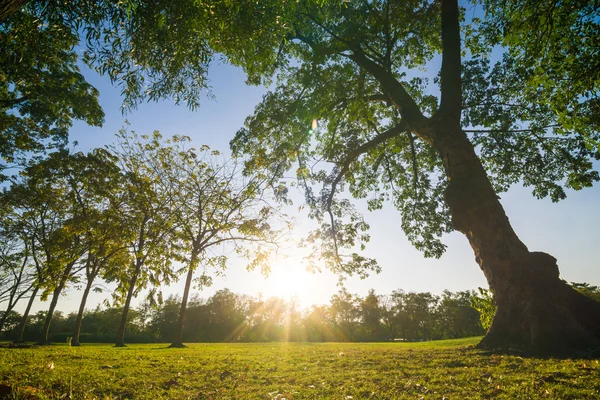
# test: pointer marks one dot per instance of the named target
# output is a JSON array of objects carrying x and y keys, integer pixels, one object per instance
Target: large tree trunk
[
  {"x": 537, "y": 312},
  {"x": 79, "y": 321},
  {"x": 178, "y": 339},
  {"x": 21, "y": 329},
  {"x": 9, "y": 7},
  {"x": 120, "y": 342}
]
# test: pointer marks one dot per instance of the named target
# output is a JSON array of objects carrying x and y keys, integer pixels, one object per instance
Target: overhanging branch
[
  {"x": 509, "y": 130},
  {"x": 403, "y": 101},
  {"x": 350, "y": 158}
]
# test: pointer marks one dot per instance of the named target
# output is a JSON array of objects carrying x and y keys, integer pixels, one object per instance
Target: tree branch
[
  {"x": 406, "y": 105},
  {"x": 12, "y": 103},
  {"x": 450, "y": 104},
  {"x": 508, "y": 131},
  {"x": 413, "y": 154},
  {"x": 351, "y": 157}
]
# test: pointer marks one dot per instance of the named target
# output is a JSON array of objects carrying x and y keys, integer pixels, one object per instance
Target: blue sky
[{"x": 569, "y": 230}]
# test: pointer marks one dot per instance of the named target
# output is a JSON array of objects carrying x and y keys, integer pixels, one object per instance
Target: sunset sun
[{"x": 290, "y": 280}]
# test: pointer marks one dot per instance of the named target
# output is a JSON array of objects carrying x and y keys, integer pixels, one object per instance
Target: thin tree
[
  {"x": 16, "y": 273},
  {"x": 40, "y": 199},
  {"x": 146, "y": 212},
  {"x": 219, "y": 210},
  {"x": 95, "y": 183}
]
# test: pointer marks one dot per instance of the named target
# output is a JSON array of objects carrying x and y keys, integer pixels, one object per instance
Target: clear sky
[{"x": 569, "y": 230}]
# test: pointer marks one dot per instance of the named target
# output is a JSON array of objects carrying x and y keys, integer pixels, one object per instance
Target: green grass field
[{"x": 434, "y": 370}]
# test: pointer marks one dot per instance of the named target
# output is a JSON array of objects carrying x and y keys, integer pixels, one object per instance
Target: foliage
[
  {"x": 151, "y": 50},
  {"x": 231, "y": 317},
  {"x": 146, "y": 211},
  {"x": 42, "y": 90},
  {"x": 554, "y": 47},
  {"x": 216, "y": 207},
  {"x": 305, "y": 371},
  {"x": 484, "y": 304},
  {"x": 593, "y": 292},
  {"x": 41, "y": 211},
  {"x": 159, "y": 49},
  {"x": 361, "y": 70}
]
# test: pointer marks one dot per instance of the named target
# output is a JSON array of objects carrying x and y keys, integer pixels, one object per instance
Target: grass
[{"x": 436, "y": 370}]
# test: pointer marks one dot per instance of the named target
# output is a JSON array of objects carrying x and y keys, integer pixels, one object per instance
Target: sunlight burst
[{"x": 290, "y": 282}]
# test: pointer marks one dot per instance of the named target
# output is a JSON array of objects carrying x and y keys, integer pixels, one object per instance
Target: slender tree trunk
[
  {"x": 23, "y": 324},
  {"x": 5, "y": 315},
  {"x": 79, "y": 321},
  {"x": 178, "y": 339},
  {"x": 9, "y": 7},
  {"x": 11, "y": 303},
  {"x": 120, "y": 342},
  {"x": 537, "y": 312},
  {"x": 55, "y": 295}
]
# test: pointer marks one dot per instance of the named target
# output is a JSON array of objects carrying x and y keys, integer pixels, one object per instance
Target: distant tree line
[{"x": 231, "y": 317}]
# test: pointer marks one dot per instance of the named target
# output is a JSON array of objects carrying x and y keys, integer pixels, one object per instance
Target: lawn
[{"x": 434, "y": 370}]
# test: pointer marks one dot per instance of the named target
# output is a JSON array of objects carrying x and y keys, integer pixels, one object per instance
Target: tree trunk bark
[
  {"x": 9, "y": 7},
  {"x": 120, "y": 342},
  {"x": 178, "y": 339},
  {"x": 79, "y": 321},
  {"x": 537, "y": 312},
  {"x": 21, "y": 329},
  {"x": 55, "y": 295}
]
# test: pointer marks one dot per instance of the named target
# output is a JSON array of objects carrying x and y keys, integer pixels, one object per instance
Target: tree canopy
[
  {"x": 42, "y": 90},
  {"x": 330, "y": 66}
]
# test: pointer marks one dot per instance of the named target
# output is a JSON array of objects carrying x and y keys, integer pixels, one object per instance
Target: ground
[{"x": 435, "y": 370}]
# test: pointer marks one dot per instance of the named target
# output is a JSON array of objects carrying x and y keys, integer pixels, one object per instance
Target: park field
[{"x": 449, "y": 369}]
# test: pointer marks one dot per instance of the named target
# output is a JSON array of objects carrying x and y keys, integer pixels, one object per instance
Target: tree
[
  {"x": 354, "y": 68},
  {"x": 391, "y": 323},
  {"x": 95, "y": 183},
  {"x": 420, "y": 310},
  {"x": 484, "y": 303},
  {"x": 16, "y": 275},
  {"x": 371, "y": 317},
  {"x": 456, "y": 315},
  {"x": 146, "y": 212},
  {"x": 164, "y": 319},
  {"x": 40, "y": 206},
  {"x": 216, "y": 210},
  {"x": 227, "y": 316},
  {"x": 345, "y": 315},
  {"x": 63, "y": 247}
]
